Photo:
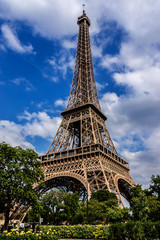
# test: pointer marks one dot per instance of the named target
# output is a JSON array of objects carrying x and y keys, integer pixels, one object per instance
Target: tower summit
[
  {"x": 83, "y": 88},
  {"x": 82, "y": 156}
]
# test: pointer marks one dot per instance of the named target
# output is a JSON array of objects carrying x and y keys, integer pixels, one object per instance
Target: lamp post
[{"x": 87, "y": 202}]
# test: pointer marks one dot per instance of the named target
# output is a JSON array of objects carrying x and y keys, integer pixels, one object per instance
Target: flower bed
[
  {"x": 129, "y": 231},
  {"x": 118, "y": 231},
  {"x": 29, "y": 235}
]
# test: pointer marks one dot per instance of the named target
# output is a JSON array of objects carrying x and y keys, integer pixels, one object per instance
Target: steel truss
[
  {"x": 82, "y": 148},
  {"x": 82, "y": 156}
]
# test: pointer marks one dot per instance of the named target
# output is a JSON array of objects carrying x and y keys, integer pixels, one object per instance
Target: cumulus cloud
[
  {"x": 62, "y": 64},
  {"x": 52, "y": 18},
  {"x": 100, "y": 86},
  {"x": 133, "y": 122},
  {"x": 142, "y": 165},
  {"x": 36, "y": 125},
  {"x": 60, "y": 102},
  {"x": 49, "y": 18},
  {"x": 69, "y": 44},
  {"x": 13, "y": 42},
  {"x": 40, "y": 124},
  {"x": 12, "y": 134}
]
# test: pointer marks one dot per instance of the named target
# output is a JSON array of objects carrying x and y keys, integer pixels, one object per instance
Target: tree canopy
[
  {"x": 103, "y": 195},
  {"x": 67, "y": 207},
  {"x": 155, "y": 186},
  {"x": 19, "y": 171}
]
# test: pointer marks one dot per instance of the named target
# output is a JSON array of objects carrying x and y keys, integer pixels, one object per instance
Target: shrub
[{"x": 117, "y": 231}]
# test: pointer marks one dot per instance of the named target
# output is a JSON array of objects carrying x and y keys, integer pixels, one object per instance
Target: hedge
[{"x": 118, "y": 231}]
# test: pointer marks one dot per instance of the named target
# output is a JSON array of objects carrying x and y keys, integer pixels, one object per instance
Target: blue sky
[{"x": 37, "y": 52}]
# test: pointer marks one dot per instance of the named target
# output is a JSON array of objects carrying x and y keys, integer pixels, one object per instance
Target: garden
[
  {"x": 65, "y": 214},
  {"x": 117, "y": 231}
]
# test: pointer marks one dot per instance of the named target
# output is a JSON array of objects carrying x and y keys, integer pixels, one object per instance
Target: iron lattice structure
[{"x": 82, "y": 154}]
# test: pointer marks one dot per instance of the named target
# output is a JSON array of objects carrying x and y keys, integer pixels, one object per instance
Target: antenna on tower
[{"x": 83, "y": 7}]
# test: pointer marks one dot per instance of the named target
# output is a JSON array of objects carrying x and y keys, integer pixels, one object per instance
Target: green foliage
[
  {"x": 103, "y": 195},
  {"x": 34, "y": 214},
  {"x": 51, "y": 202},
  {"x": 130, "y": 230},
  {"x": 61, "y": 207},
  {"x": 71, "y": 206},
  {"x": 117, "y": 231},
  {"x": 100, "y": 212},
  {"x": 19, "y": 170},
  {"x": 154, "y": 208},
  {"x": 57, "y": 206},
  {"x": 114, "y": 215},
  {"x": 139, "y": 204},
  {"x": 145, "y": 204},
  {"x": 155, "y": 186}
]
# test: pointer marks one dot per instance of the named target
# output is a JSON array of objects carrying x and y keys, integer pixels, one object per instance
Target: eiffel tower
[{"x": 82, "y": 156}]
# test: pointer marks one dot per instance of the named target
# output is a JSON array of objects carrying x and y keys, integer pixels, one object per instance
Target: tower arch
[
  {"x": 69, "y": 182},
  {"x": 82, "y": 147}
]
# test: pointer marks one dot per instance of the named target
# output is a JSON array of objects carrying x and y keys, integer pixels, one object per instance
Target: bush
[
  {"x": 117, "y": 231},
  {"x": 142, "y": 230}
]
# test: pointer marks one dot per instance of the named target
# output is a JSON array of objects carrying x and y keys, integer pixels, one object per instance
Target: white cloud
[
  {"x": 40, "y": 124},
  {"x": 153, "y": 141},
  {"x": 63, "y": 64},
  {"x": 133, "y": 122},
  {"x": 60, "y": 102},
  {"x": 27, "y": 116},
  {"x": 2, "y": 47},
  {"x": 69, "y": 44},
  {"x": 49, "y": 18},
  {"x": 37, "y": 125},
  {"x": 12, "y": 134},
  {"x": 142, "y": 165},
  {"x": 101, "y": 86},
  {"x": 97, "y": 50},
  {"x": 54, "y": 79},
  {"x": 57, "y": 18},
  {"x": 13, "y": 42},
  {"x": 28, "y": 85}
]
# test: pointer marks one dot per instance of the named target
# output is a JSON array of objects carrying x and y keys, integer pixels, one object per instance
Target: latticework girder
[
  {"x": 82, "y": 148},
  {"x": 82, "y": 156},
  {"x": 80, "y": 128},
  {"x": 83, "y": 88}
]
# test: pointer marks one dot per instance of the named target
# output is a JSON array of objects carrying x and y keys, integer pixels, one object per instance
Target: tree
[
  {"x": 19, "y": 170},
  {"x": 154, "y": 208},
  {"x": 59, "y": 206},
  {"x": 155, "y": 186},
  {"x": 114, "y": 215},
  {"x": 70, "y": 206},
  {"x": 103, "y": 195},
  {"x": 50, "y": 202},
  {"x": 139, "y": 203}
]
